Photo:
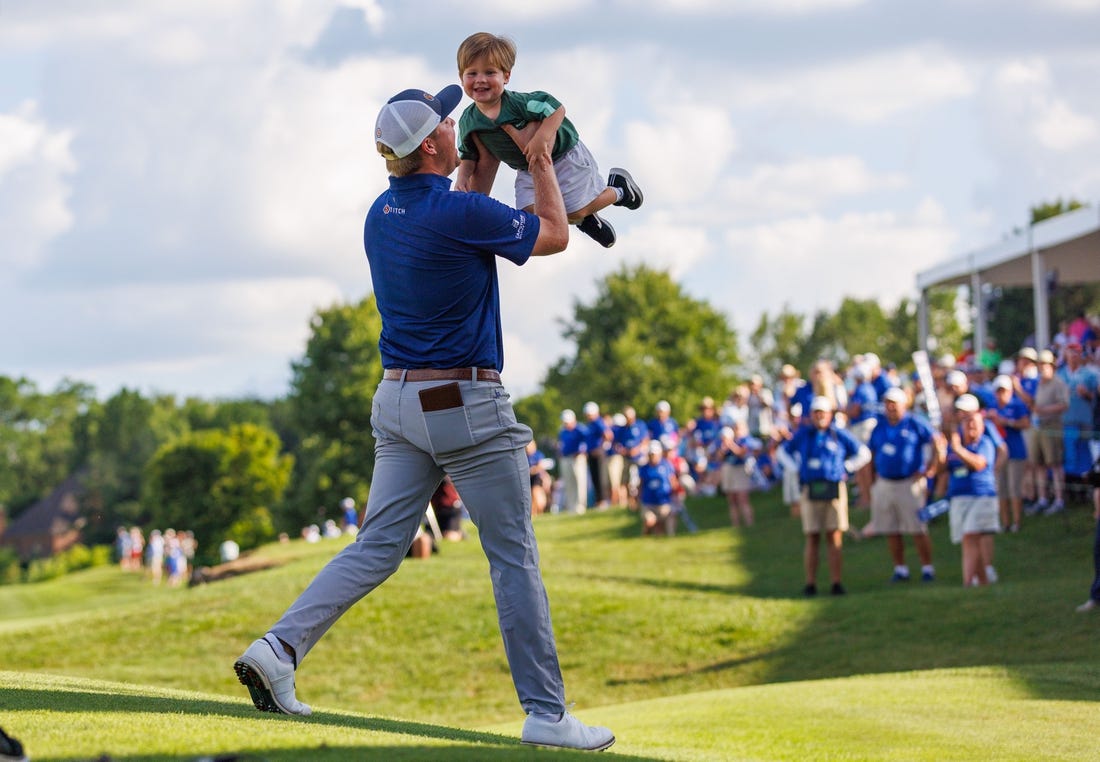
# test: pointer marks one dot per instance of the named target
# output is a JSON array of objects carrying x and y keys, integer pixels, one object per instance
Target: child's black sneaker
[
  {"x": 598, "y": 229},
  {"x": 10, "y": 749},
  {"x": 632, "y": 194}
]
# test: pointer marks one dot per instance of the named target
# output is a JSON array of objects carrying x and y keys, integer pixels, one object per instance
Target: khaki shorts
[
  {"x": 735, "y": 478},
  {"x": 862, "y": 430},
  {"x": 1052, "y": 448},
  {"x": 656, "y": 511},
  {"x": 894, "y": 505},
  {"x": 615, "y": 469},
  {"x": 974, "y": 515},
  {"x": 825, "y": 515},
  {"x": 1010, "y": 479},
  {"x": 1031, "y": 441},
  {"x": 792, "y": 490}
]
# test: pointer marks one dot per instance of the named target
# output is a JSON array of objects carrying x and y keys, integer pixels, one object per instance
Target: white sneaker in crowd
[{"x": 567, "y": 733}]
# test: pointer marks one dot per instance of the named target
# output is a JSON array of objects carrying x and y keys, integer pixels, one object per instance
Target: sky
[{"x": 183, "y": 184}]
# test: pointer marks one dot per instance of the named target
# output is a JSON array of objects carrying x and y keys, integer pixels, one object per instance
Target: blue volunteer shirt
[
  {"x": 962, "y": 482},
  {"x": 632, "y": 435},
  {"x": 571, "y": 441},
  {"x": 594, "y": 432},
  {"x": 656, "y": 481},
  {"x": 438, "y": 295},
  {"x": 823, "y": 452},
  {"x": 866, "y": 397},
  {"x": 1014, "y": 410},
  {"x": 899, "y": 448},
  {"x": 667, "y": 427}
]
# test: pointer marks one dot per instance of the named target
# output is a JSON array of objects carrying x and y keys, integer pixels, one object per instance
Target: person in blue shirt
[
  {"x": 1011, "y": 416},
  {"x": 904, "y": 459},
  {"x": 657, "y": 486},
  {"x": 630, "y": 442},
  {"x": 828, "y": 455},
  {"x": 573, "y": 462},
  {"x": 440, "y": 408},
  {"x": 663, "y": 424},
  {"x": 972, "y": 491},
  {"x": 734, "y": 452},
  {"x": 597, "y": 439},
  {"x": 863, "y": 406}
]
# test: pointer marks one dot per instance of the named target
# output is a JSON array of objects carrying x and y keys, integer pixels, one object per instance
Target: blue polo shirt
[
  {"x": 656, "y": 482},
  {"x": 899, "y": 448},
  {"x": 964, "y": 482},
  {"x": 823, "y": 452},
  {"x": 594, "y": 432},
  {"x": 866, "y": 397},
  {"x": 630, "y": 436},
  {"x": 1014, "y": 410},
  {"x": 571, "y": 441},
  {"x": 432, "y": 257}
]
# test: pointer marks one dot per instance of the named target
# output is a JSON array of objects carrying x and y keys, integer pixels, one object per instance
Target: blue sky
[{"x": 182, "y": 184}]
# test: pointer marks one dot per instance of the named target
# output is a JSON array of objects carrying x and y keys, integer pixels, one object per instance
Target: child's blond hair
[{"x": 497, "y": 50}]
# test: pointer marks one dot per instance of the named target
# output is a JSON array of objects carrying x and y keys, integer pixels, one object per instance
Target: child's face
[{"x": 484, "y": 82}]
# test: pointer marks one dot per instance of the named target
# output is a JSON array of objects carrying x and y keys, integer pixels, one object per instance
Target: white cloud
[
  {"x": 803, "y": 186},
  {"x": 35, "y": 164},
  {"x": 862, "y": 89}
]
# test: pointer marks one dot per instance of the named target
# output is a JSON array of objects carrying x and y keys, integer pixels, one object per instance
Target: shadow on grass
[
  {"x": 480, "y": 744},
  {"x": 1025, "y": 623}
]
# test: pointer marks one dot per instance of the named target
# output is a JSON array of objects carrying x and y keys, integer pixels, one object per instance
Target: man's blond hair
[
  {"x": 406, "y": 165},
  {"x": 497, "y": 50}
]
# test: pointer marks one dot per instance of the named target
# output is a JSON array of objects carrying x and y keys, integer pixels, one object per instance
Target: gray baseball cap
[{"x": 412, "y": 115}]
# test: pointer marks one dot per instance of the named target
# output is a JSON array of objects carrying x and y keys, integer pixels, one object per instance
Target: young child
[{"x": 502, "y": 125}]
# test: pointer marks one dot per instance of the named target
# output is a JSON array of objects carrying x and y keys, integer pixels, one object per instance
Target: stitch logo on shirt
[{"x": 387, "y": 209}]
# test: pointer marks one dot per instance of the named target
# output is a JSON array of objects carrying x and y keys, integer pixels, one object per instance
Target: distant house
[{"x": 49, "y": 526}]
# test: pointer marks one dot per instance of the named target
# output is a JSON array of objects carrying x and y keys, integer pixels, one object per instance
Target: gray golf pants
[{"x": 481, "y": 445}]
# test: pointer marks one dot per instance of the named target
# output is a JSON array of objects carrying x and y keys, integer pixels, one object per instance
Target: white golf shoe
[
  {"x": 565, "y": 733},
  {"x": 269, "y": 680}
]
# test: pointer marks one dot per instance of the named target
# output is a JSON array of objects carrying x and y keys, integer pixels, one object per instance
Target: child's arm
[
  {"x": 477, "y": 176},
  {"x": 543, "y": 139}
]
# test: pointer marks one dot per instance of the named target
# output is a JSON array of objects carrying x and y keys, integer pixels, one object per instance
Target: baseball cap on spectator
[
  {"x": 1046, "y": 357},
  {"x": 1028, "y": 353},
  {"x": 788, "y": 371},
  {"x": 1002, "y": 382},
  {"x": 822, "y": 403},
  {"x": 664, "y": 406},
  {"x": 591, "y": 408},
  {"x": 1006, "y": 367},
  {"x": 956, "y": 378},
  {"x": 861, "y": 370},
  {"x": 707, "y": 402},
  {"x": 895, "y": 394},
  {"x": 1073, "y": 344},
  {"x": 410, "y": 116},
  {"x": 568, "y": 416},
  {"x": 872, "y": 359},
  {"x": 618, "y": 419},
  {"x": 656, "y": 448},
  {"x": 946, "y": 361},
  {"x": 967, "y": 403}
]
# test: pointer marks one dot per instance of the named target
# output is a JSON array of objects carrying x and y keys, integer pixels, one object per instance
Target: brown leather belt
[{"x": 441, "y": 374}]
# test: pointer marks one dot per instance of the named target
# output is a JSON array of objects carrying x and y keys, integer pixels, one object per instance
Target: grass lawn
[{"x": 693, "y": 647}]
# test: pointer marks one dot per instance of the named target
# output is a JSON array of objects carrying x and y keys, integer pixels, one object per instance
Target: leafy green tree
[
  {"x": 329, "y": 407},
  {"x": 643, "y": 339},
  {"x": 779, "y": 341},
  {"x": 37, "y": 444},
  {"x": 121, "y": 436},
  {"x": 213, "y": 480}
]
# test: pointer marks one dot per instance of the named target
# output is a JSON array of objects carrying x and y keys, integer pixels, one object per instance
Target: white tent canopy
[{"x": 1063, "y": 249}]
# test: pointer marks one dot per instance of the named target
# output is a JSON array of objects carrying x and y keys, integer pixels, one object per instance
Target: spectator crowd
[{"x": 991, "y": 441}]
